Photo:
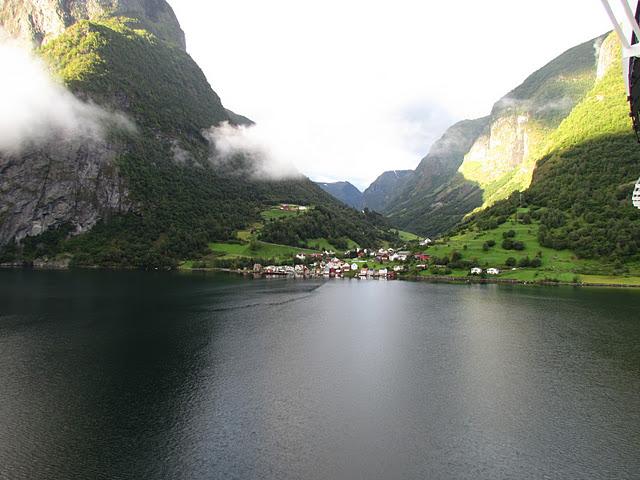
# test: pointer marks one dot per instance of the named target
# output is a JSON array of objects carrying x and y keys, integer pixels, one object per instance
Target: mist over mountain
[{"x": 184, "y": 172}]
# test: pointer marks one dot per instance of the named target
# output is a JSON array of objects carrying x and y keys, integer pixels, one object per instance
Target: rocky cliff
[
  {"x": 67, "y": 182},
  {"x": 40, "y": 21},
  {"x": 503, "y": 158}
]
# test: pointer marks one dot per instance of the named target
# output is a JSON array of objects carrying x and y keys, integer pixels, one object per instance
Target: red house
[{"x": 422, "y": 257}]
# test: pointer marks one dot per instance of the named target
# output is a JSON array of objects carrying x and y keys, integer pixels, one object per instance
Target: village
[{"x": 360, "y": 263}]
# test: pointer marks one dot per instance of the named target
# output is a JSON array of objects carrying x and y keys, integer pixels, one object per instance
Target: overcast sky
[{"x": 346, "y": 89}]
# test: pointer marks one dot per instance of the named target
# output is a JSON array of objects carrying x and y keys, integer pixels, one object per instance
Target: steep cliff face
[
  {"x": 503, "y": 158},
  {"x": 495, "y": 155},
  {"x": 40, "y": 21},
  {"x": 67, "y": 182}
]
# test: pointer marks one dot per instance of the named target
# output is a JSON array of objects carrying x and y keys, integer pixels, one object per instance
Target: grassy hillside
[
  {"x": 534, "y": 261},
  {"x": 180, "y": 204},
  {"x": 345, "y": 192},
  {"x": 580, "y": 196},
  {"x": 341, "y": 227}
]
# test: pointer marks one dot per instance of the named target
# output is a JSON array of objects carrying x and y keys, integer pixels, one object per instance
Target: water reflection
[{"x": 129, "y": 375}]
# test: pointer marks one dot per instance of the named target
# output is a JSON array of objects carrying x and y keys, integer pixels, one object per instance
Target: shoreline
[
  {"x": 443, "y": 279},
  {"x": 412, "y": 278}
]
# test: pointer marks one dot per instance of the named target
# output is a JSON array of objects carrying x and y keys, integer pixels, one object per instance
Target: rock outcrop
[
  {"x": 40, "y": 21},
  {"x": 66, "y": 182}
]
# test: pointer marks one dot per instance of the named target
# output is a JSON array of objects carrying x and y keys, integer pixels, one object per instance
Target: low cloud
[
  {"x": 561, "y": 104},
  {"x": 249, "y": 150},
  {"x": 35, "y": 108}
]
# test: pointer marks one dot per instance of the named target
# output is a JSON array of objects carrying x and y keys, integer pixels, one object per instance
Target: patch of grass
[
  {"x": 275, "y": 213},
  {"x": 407, "y": 236},
  {"x": 610, "y": 280},
  {"x": 324, "y": 244},
  {"x": 255, "y": 249}
]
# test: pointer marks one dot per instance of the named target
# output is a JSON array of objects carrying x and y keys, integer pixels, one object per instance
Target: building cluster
[
  {"x": 489, "y": 271},
  {"x": 286, "y": 207}
]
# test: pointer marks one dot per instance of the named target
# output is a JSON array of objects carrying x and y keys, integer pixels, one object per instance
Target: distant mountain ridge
[
  {"x": 346, "y": 192},
  {"x": 384, "y": 188},
  {"x": 375, "y": 197}
]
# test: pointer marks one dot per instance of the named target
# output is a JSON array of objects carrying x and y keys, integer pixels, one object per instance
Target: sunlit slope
[
  {"x": 500, "y": 157},
  {"x": 503, "y": 159},
  {"x": 582, "y": 185}
]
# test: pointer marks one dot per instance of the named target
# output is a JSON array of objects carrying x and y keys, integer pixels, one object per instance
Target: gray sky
[{"x": 346, "y": 89}]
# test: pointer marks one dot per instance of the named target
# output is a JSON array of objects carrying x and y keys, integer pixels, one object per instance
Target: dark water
[{"x": 143, "y": 376}]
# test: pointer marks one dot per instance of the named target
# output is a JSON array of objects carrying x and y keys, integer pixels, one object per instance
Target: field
[
  {"x": 323, "y": 244},
  {"x": 275, "y": 213},
  {"x": 407, "y": 236},
  {"x": 255, "y": 249},
  {"x": 557, "y": 265}
]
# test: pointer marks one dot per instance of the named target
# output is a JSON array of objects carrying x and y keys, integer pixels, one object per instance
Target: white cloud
[
  {"x": 35, "y": 108},
  {"x": 264, "y": 155},
  {"x": 335, "y": 77}
]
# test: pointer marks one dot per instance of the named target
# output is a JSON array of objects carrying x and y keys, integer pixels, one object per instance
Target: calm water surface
[{"x": 143, "y": 376}]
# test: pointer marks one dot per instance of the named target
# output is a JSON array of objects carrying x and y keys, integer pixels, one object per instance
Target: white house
[
  {"x": 493, "y": 271},
  {"x": 636, "y": 195},
  {"x": 301, "y": 256},
  {"x": 476, "y": 271},
  {"x": 383, "y": 272},
  {"x": 426, "y": 242},
  {"x": 354, "y": 267}
]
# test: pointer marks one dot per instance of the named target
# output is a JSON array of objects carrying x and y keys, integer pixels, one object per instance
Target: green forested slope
[{"x": 179, "y": 206}]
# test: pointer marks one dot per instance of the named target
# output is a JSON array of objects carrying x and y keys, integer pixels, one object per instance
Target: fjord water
[{"x": 122, "y": 375}]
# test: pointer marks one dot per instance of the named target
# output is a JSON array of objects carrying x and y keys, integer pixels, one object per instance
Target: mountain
[
  {"x": 345, "y": 192},
  {"x": 580, "y": 195},
  {"x": 380, "y": 192},
  {"x": 435, "y": 197},
  {"x": 40, "y": 21},
  {"x": 375, "y": 197},
  {"x": 502, "y": 149},
  {"x": 152, "y": 193}
]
